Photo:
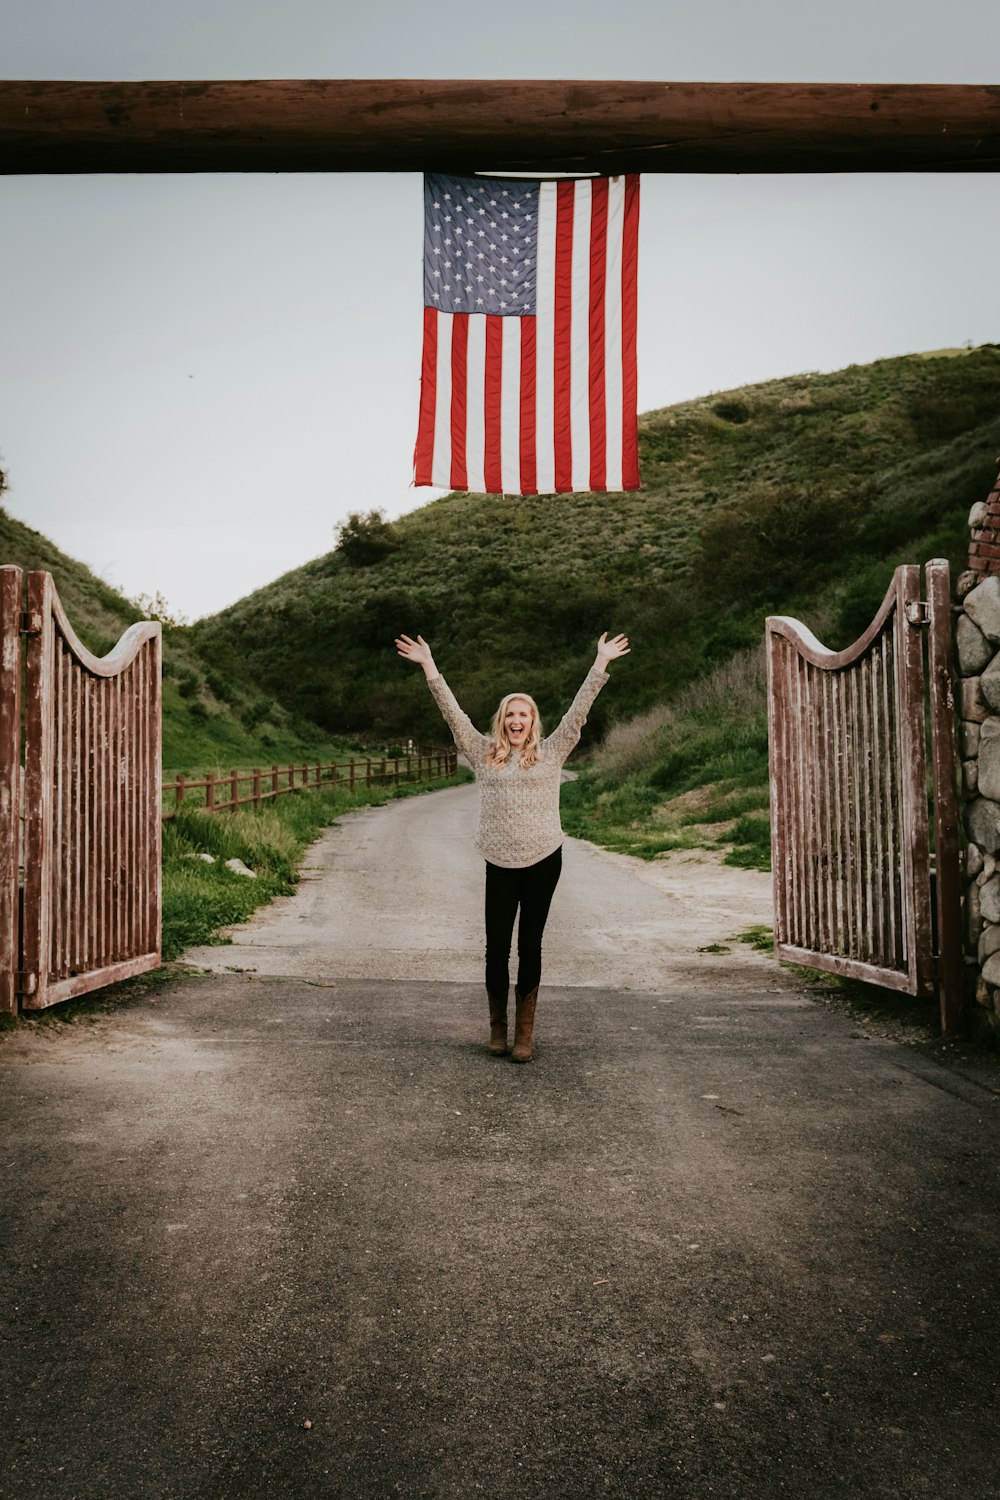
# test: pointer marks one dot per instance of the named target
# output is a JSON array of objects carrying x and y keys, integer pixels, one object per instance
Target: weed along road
[{"x": 285, "y": 1229}]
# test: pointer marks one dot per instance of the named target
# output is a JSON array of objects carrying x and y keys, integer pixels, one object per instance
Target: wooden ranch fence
[
  {"x": 279, "y": 780},
  {"x": 854, "y": 887},
  {"x": 85, "y": 829}
]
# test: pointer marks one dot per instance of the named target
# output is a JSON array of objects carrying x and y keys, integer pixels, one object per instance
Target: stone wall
[{"x": 977, "y": 652}]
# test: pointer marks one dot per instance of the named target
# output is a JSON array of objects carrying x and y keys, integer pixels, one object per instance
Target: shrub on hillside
[
  {"x": 937, "y": 418},
  {"x": 775, "y": 540},
  {"x": 733, "y": 411},
  {"x": 364, "y": 539}
]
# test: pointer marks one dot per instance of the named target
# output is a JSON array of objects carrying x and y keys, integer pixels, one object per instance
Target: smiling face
[{"x": 517, "y": 721}]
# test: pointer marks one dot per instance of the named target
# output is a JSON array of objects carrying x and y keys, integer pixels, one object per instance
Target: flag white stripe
[
  {"x": 475, "y": 403},
  {"x": 579, "y": 411},
  {"x": 545, "y": 340},
  {"x": 441, "y": 462},
  {"x": 510, "y": 406},
  {"x": 613, "y": 333}
]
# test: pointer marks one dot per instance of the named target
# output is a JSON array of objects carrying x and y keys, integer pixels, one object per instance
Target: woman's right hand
[{"x": 416, "y": 651}]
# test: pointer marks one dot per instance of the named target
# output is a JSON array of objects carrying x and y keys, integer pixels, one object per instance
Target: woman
[{"x": 520, "y": 836}]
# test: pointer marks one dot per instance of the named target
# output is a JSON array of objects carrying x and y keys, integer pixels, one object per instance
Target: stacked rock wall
[{"x": 977, "y": 651}]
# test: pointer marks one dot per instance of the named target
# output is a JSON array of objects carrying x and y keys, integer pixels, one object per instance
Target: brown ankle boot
[
  {"x": 498, "y": 1024},
  {"x": 524, "y": 1024}
]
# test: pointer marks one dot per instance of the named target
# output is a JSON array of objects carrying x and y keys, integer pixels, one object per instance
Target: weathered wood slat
[
  {"x": 11, "y": 606},
  {"x": 96, "y": 979},
  {"x": 913, "y": 765},
  {"x": 530, "y": 125},
  {"x": 894, "y": 890}
]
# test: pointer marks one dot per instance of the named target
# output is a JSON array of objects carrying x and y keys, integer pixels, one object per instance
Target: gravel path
[{"x": 397, "y": 892}]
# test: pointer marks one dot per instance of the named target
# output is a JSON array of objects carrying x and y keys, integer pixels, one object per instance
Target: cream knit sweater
[{"x": 518, "y": 809}]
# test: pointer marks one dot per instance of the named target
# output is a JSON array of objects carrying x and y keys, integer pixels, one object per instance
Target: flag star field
[{"x": 480, "y": 245}]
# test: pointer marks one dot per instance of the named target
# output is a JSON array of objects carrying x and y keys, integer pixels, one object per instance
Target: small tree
[
  {"x": 155, "y": 607},
  {"x": 366, "y": 539}
]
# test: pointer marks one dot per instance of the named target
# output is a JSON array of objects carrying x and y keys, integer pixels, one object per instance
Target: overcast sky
[{"x": 200, "y": 376}]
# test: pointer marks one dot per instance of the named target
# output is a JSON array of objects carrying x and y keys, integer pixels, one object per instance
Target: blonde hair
[{"x": 501, "y": 748}]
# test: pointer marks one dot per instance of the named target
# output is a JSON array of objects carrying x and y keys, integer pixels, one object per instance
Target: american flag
[{"x": 528, "y": 383}]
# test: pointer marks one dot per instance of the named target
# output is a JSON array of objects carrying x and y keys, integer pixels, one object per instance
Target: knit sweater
[{"x": 518, "y": 807}]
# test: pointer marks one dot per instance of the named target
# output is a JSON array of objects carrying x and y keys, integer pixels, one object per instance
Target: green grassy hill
[
  {"x": 209, "y": 720},
  {"x": 795, "y": 495}
]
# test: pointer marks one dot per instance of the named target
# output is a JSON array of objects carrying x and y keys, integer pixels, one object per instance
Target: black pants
[{"x": 531, "y": 888}]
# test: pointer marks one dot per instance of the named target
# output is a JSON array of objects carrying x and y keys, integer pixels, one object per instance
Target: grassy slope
[{"x": 796, "y": 495}]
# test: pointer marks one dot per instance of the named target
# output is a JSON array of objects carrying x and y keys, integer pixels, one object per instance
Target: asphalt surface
[{"x": 716, "y": 1241}]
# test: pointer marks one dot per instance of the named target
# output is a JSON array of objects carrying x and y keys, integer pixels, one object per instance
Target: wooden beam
[{"x": 406, "y": 125}]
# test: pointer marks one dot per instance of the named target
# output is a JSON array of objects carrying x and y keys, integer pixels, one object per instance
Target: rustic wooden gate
[
  {"x": 80, "y": 889},
  {"x": 855, "y": 890}
]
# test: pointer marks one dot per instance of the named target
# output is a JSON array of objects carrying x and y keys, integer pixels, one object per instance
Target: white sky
[{"x": 200, "y": 376}]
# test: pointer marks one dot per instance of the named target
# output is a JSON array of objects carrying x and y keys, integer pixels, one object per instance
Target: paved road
[{"x": 715, "y": 1242}]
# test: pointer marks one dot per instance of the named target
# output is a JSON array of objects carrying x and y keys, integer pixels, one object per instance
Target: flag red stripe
[
  {"x": 459, "y": 344},
  {"x": 630, "y": 254},
  {"x": 598, "y": 275},
  {"x": 423, "y": 453},
  {"x": 494, "y": 365},
  {"x": 562, "y": 353},
  {"x": 529, "y": 474}
]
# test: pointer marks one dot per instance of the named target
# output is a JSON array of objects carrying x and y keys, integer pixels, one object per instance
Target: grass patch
[
  {"x": 759, "y": 937},
  {"x": 751, "y": 840}
]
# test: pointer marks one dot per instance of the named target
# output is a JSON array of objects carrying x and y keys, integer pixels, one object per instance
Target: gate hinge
[
  {"x": 26, "y": 983},
  {"x": 918, "y": 612},
  {"x": 31, "y": 622}
]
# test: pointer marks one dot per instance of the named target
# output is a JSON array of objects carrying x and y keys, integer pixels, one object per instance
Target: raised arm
[
  {"x": 466, "y": 736},
  {"x": 567, "y": 733}
]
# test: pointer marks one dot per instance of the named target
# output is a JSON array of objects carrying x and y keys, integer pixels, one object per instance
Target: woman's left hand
[{"x": 608, "y": 651}]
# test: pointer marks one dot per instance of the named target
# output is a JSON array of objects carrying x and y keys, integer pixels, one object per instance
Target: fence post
[
  {"x": 351, "y": 775},
  {"x": 179, "y": 789},
  {"x": 368, "y": 771},
  {"x": 210, "y": 791},
  {"x": 234, "y": 797},
  {"x": 38, "y": 762},
  {"x": 274, "y": 784},
  {"x": 396, "y": 763},
  {"x": 944, "y": 757},
  {"x": 291, "y": 778},
  {"x": 381, "y": 772},
  {"x": 256, "y": 787},
  {"x": 11, "y": 590}
]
